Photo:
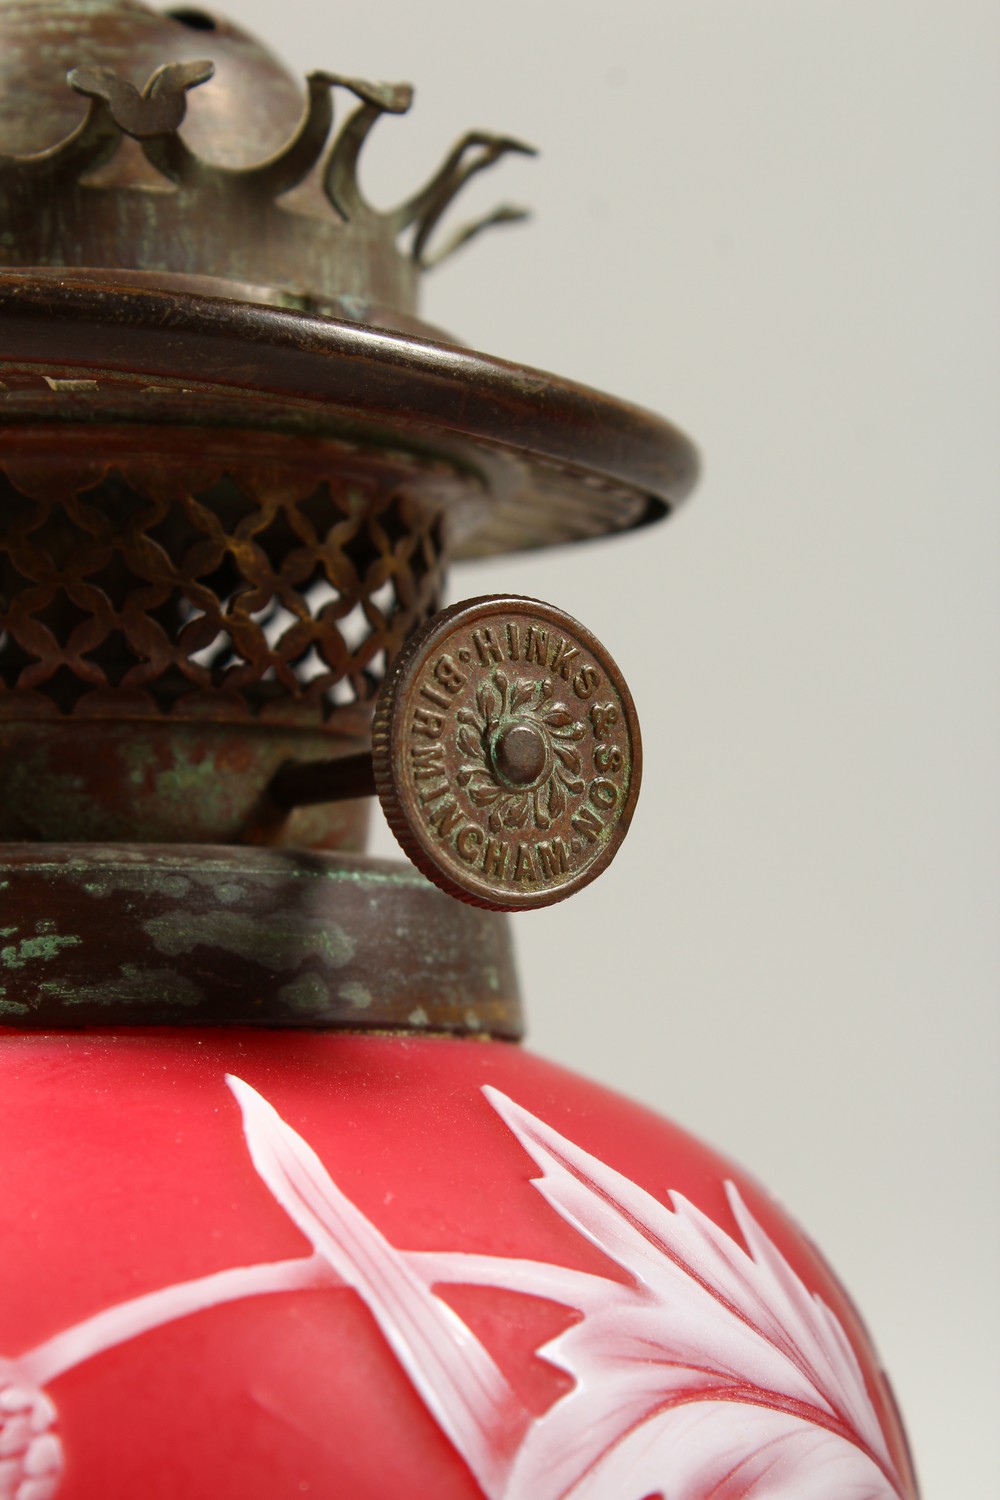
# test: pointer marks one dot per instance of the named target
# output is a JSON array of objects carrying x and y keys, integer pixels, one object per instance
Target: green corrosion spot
[
  {"x": 132, "y": 984},
  {"x": 282, "y": 941},
  {"x": 307, "y": 993},
  {"x": 12, "y": 1007},
  {"x": 15, "y": 956},
  {"x": 139, "y": 882},
  {"x": 355, "y": 994},
  {"x": 190, "y": 782},
  {"x": 229, "y": 892}
]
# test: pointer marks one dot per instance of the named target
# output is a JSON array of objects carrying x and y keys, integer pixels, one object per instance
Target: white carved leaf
[
  {"x": 713, "y": 1371},
  {"x": 732, "y": 1452},
  {"x": 453, "y": 1373}
]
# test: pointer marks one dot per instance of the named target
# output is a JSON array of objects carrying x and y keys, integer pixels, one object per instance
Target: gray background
[{"x": 775, "y": 221}]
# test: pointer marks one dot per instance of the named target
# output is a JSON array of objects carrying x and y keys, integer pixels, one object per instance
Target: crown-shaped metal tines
[
  {"x": 154, "y": 115},
  {"x": 474, "y": 152}
]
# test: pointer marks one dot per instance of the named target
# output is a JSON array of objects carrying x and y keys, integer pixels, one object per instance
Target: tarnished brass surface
[
  {"x": 234, "y": 466},
  {"x": 181, "y": 613},
  {"x": 506, "y": 753},
  {"x": 152, "y": 781},
  {"x": 142, "y": 935},
  {"x": 214, "y": 576},
  {"x": 175, "y": 145},
  {"x": 557, "y": 461}
]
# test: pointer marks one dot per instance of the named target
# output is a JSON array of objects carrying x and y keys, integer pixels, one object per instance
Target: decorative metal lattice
[{"x": 238, "y": 584}]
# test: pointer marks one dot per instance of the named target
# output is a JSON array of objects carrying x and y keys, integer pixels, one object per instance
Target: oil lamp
[{"x": 286, "y": 1208}]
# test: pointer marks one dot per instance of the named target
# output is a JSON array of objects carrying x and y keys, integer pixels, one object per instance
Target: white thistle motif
[
  {"x": 711, "y": 1371},
  {"x": 31, "y": 1456},
  {"x": 659, "y": 1364}
]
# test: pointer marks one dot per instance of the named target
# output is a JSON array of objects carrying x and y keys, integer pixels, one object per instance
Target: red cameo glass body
[{"x": 275, "y": 1264}]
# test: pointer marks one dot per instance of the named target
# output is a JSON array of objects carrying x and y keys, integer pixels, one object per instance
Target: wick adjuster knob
[{"x": 506, "y": 752}]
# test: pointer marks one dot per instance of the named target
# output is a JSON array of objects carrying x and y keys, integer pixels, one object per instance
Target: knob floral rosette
[{"x": 506, "y": 752}]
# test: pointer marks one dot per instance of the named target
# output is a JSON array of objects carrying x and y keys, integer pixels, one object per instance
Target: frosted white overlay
[{"x": 710, "y": 1371}]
